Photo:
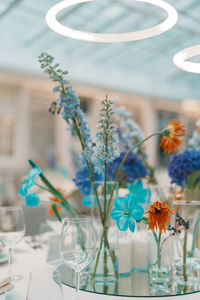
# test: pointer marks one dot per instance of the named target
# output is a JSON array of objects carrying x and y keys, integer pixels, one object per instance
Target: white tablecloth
[{"x": 27, "y": 260}]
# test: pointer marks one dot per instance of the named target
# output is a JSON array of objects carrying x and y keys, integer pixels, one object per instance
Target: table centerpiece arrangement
[
  {"x": 115, "y": 161},
  {"x": 184, "y": 171}
]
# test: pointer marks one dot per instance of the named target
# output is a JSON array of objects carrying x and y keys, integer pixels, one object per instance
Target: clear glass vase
[
  {"x": 160, "y": 267},
  {"x": 187, "y": 252},
  {"x": 105, "y": 267},
  {"x": 162, "y": 193}
]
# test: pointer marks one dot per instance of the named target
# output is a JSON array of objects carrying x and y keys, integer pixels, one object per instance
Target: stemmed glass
[
  {"x": 12, "y": 230},
  {"x": 77, "y": 245}
]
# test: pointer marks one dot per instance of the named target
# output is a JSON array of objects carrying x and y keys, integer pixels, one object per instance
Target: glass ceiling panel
[{"x": 24, "y": 32}]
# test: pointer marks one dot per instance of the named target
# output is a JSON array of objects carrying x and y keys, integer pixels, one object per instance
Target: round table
[
  {"x": 131, "y": 287},
  {"x": 27, "y": 260}
]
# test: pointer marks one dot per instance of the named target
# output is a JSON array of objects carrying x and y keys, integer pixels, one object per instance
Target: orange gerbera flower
[
  {"x": 171, "y": 140},
  {"x": 158, "y": 217},
  {"x": 50, "y": 210}
]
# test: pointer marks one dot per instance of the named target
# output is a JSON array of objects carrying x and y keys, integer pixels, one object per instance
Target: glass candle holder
[
  {"x": 160, "y": 266},
  {"x": 187, "y": 253}
]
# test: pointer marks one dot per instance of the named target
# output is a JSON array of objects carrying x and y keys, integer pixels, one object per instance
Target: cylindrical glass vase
[
  {"x": 105, "y": 266},
  {"x": 162, "y": 193},
  {"x": 187, "y": 252},
  {"x": 160, "y": 267}
]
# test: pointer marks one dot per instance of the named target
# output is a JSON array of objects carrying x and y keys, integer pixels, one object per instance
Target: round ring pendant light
[
  {"x": 180, "y": 59},
  {"x": 56, "y": 26}
]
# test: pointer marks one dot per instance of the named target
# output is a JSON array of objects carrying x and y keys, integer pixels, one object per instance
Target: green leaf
[
  {"x": 54, "y": 191},
  {"x": 192, "y": 179},
  {"x": 56, "y": 212}
]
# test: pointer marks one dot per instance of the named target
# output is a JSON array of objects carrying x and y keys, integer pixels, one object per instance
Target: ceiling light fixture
[
  {"x": 180, "y": 59},
  {"x": 56, "y": 26}
]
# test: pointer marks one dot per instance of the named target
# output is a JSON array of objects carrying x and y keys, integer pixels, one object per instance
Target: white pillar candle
[
  {"x": 125, "y": 249},
  {"x": 140, "y": 250}
]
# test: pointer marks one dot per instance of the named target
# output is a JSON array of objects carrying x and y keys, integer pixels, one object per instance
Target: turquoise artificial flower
[
  {"x": 32, "y": 199},
  {"x": 86, "y": 201},
  {"x": 144, "y": 195},
  {"x": 29, "y": 181},
  {"x": 126, "y": 212}
]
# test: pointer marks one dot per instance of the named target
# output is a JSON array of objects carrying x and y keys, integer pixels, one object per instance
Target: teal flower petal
[
  {"x": 32, "y": 199},
  {"x": 122, "y": 223},
  {"x": 23, "y": 190},
  {"x": 139, "y": 191},
  {"x": 138, "y": 212},
  {"x": 132, "y": 200},
  {"x": 131, "y": 224},
  {"x": 120, "y": 203},
  {"x": 116, "y": 214},
  {"x": 35, "y": 172},
  {"x": 86, "y": 201},
  {"x": 29, "y": 181}
]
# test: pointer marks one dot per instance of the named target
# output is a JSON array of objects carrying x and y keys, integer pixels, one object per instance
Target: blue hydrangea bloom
[
  {"x": 83, "y": 182},
  {"x": 144, "y": 195},
  {"x": 32, "y": 199},
  {"x": 132, "y": 169},
  {"x": 182, "y": 165},
  {"x": 126, "y": 212},
  {"x": 86, "y": 201},
  {"x": 29, "y": 181}
]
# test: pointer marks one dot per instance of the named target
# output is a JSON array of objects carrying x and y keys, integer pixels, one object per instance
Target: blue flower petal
[
  {"x": 120, "y": 203},
  {"x": 122, "y": 223},
  {"x": 138, "y": 212},
  {"x": 131, "y": 224},
  {"x": 116, "y": 214},
  {"x": 32, "y": 199}
]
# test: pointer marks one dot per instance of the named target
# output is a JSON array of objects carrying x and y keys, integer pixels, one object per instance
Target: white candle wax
[
  {"x": 140, "y": 284},
  {"x": 125, "y": 249},
  {"x": 140, "y": 250}
]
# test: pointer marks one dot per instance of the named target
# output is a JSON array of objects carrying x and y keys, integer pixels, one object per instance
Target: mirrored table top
[{"x": 135, "y": 284}]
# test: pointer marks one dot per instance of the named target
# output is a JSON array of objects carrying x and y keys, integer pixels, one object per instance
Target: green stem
[
  {"x": 122, "y": 163},
  {"x": 185, "y": 256},
  {"x": 195, "y": 233},
  {"x": 54, "y": 191},
  {"x": 159, "y": 251},
  {"x": 42, "y": 187},
  {"x": 90, "y": 169},
  {"x": 56, "y": 212}
]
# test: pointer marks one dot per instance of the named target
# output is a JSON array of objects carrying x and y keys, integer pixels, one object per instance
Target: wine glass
[
  {"x": 44, "y": 283},
  {"x": 12, "y": 230},
  {"x": 77, "y": 245}
]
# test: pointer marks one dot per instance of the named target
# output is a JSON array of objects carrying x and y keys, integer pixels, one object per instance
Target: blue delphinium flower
[
  {"x": 144, "y": 195},
  {"x": 130, "y": 132},
  {"x": 87, "y": 201},
  {"x": 132, "y": 169},
  {"x": 83, "y": 182},
  {"x": 107, "y": 148},
  {"x": 68, "y": 104},
  {"x": 29, "y": 181},
  {"x": 126, "y": 212},
  {"x": 32, "y": 199},
  {"x": 182, "y": 165}
]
